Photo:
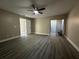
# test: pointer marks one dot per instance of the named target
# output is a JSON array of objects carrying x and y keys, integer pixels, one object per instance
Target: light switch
[{"x": 15, "y": 26}]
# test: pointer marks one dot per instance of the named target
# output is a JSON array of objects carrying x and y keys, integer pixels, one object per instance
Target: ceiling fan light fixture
[{"x": 36, "y": 12}]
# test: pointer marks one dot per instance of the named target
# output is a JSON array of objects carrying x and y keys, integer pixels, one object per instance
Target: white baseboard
[
  {"x": 11, "y": 38},
  {"x": 41, "y": 33},
  {"x": 73, "y": 44}
]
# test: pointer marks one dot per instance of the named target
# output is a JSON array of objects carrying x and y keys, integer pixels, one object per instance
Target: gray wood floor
[{"x": 37, "y": 47}]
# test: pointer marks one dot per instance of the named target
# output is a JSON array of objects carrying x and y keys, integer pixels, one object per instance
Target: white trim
[
  {"x": 41, "y": 33},
  {"x": 72, "y": 43},
  {"x": 9, "y": 39}
]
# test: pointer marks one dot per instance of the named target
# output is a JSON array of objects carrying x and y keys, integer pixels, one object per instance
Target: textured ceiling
[{"x": 53, "y": 7}]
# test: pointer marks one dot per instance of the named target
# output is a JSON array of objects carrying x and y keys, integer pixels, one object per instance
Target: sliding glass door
[
  {"x": 57, "y": 26},
  {"x": 23, "y": 28}
]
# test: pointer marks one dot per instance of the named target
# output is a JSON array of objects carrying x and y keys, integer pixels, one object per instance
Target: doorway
[
  {"x": 23, "y": 28},
  {"x": 28, "y": 22},
  {"x": 53, "y": 27},
  {"x": 57, "y": 26}
]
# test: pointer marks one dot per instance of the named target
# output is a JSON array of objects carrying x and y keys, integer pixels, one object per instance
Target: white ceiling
[{"x": 53, "y": 7}]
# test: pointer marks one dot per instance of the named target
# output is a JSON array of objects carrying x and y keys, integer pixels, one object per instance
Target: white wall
[
  {"x": 73, "y": 26},
  {"x": 9, "y": 25},
  {"x": 42, "y": 26}
]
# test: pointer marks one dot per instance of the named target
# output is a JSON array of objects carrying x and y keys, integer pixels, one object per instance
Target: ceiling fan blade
[
  {"x": 41, "y": 12},
  {"x": 33, "y": 6},
  {"x": 41, "y": 9}
]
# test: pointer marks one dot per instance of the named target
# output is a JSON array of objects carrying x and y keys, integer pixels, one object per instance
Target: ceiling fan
[{"x": 34, "y": 8}]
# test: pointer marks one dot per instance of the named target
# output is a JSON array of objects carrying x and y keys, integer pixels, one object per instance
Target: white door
[{"x": 28, "y": 26}]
